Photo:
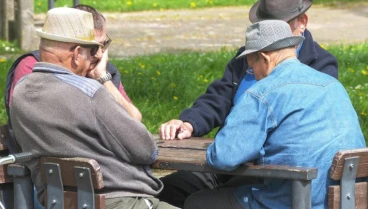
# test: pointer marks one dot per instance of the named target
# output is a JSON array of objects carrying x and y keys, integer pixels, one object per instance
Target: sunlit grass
[
  {"x": 8, "y": 48},
  {"x": 168, "y": 83},
  {"x": 162, "y": 85},
  {"x": 41, "y": 6},
  {"x": 140, "y": 5}
]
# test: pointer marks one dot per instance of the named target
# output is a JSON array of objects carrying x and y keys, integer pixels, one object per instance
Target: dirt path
[
  {"x": 149, "y": 32},
  {"x": 209, "y": 29}
]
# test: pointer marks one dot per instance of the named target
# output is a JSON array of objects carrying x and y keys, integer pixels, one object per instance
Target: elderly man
[
  {"x": 24, "y": 64},
  {"x": 210, "y": 109},
  {"x": 57, "y": 111},
  {"x": 279, "y": 121}
]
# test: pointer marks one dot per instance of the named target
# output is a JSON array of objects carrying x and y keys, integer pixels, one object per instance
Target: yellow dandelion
[
  {"x": 142, "y": 65},
  {"x": 364, "y": 72},
  {"x": 129, "y": 3},
  {"x": 175, "y": 98},
  {"x": 158, "y": 73},
  {"x": 173, "y": 85},
  {"x": 154, "y": 4},
  {"x": 205, "y": 80},
  {"x": 193, "y": 5},
  {"x": 323, "y": 46},
  {"x": 363, "y": 114},
  {"x": 2, "y": 59}
]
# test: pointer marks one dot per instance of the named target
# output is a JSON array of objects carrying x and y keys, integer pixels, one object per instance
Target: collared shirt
[
  {"x": 296, "y": 116},
  {"x": 249, "y": 79}
]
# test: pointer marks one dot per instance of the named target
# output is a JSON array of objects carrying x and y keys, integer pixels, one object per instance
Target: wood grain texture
[
  {"x": 338, "y": 163},
  {"x": 67, "y": 172},
  {"x": 334, "y": 201}
]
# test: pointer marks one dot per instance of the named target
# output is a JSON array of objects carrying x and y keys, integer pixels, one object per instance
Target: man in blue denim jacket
[
  {"x": 210, "y": 109},
  {"x": 295, "y": 116}
]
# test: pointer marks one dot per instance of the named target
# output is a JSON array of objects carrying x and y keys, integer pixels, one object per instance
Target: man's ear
[
  {"x": 303, "y": 21},
  {"x": 264, "y": 57},
  {"x": 77, "y": 55}
]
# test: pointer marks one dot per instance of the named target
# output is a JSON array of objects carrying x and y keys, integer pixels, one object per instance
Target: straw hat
[
  {"x": 278, "y": 9},
  {"x": 69, "y": 25},
  {"x": 269, "y": 35}
]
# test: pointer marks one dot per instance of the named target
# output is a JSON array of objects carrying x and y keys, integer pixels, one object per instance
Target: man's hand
[
  {"x": 175, "y": 128},
  {"x": 100, "y": 69}
]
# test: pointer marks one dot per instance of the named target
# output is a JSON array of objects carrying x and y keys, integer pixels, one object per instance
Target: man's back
[
  {"x": 306, "y": 117},
  {"x": 57, "y": 113}
]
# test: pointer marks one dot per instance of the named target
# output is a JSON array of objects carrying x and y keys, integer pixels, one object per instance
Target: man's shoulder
[
  {"x": 297, "y": 73},
  {"x": 86, "y": 85}
]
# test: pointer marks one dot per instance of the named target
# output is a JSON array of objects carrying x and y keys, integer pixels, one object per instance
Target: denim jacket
[
  {"x": 211, "y": 108},
  {"x": 296, "y": 116}
]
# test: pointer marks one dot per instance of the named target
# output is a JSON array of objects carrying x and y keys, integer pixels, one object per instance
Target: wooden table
[{"x": 190, "y": 155}]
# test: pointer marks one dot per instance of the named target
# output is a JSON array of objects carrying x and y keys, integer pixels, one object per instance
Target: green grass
[
  {"x": 8, "y": 48},
  {"x": 140, "y": 5},
  {"x": 162, "y": 85}
]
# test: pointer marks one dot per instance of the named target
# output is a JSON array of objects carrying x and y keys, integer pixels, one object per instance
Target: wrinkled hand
[
  {"x": 175, "y": 128},
  {"x": 100, "y": 69}
]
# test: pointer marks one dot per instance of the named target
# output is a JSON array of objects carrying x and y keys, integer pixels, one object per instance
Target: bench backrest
[
  {"x": 76, "y": 178},
  {"x": 4, "y": 133},
  {"x": 346, "y": 167}
]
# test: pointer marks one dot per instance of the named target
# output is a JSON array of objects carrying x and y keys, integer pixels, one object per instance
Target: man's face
[
  {"x": 298, "y": 24},
  {"x": 259, "y": 68},
  {"x": 100, "y": 36}
]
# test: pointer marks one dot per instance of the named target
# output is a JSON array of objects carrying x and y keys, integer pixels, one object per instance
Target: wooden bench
[
  {"x": 6, "y": 181},
  {"x": 347, "y": 167},
  {"x": 72, "y": 182},
  {"x": 76, "y": 182},
  {"x": 16, "y": 187}
]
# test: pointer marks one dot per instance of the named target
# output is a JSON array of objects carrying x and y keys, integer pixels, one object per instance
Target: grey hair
[{"x": 98, "y": 19}]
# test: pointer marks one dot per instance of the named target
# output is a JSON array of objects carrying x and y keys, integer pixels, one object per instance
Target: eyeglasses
[
  {"x": 94, "y": 48},
  {"x": 106, "y": 43},
  {"x": 250, "y": 71}
]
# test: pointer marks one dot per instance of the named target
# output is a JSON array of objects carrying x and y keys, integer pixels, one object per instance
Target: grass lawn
[
  {"x": 162, "y": 85},
  {"x": 139, "y": 5}
]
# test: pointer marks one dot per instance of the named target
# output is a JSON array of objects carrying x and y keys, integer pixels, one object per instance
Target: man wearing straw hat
[
  {"x": 57, "y": 111},
  {"x": 24, "y": 64},
  {"x": 210, "y": 109},
  {"x": 294, "y": 115}
]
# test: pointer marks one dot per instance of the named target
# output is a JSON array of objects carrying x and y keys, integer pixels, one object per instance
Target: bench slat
[
  {"x": 360, "y": 196},
  {"x": 338, "y": 163},
  {"x": 67, "y": 173},
  {"x": 4, "y": 134}
]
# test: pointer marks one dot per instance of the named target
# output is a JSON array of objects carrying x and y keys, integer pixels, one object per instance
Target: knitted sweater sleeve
[{"x": 126, "y": 137}]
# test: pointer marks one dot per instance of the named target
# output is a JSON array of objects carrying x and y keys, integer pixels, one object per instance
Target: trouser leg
[
  {"x": 179, "y": 185},
  {"x": 222, "y": 198},
  {"x": 136, "y": 203}
]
